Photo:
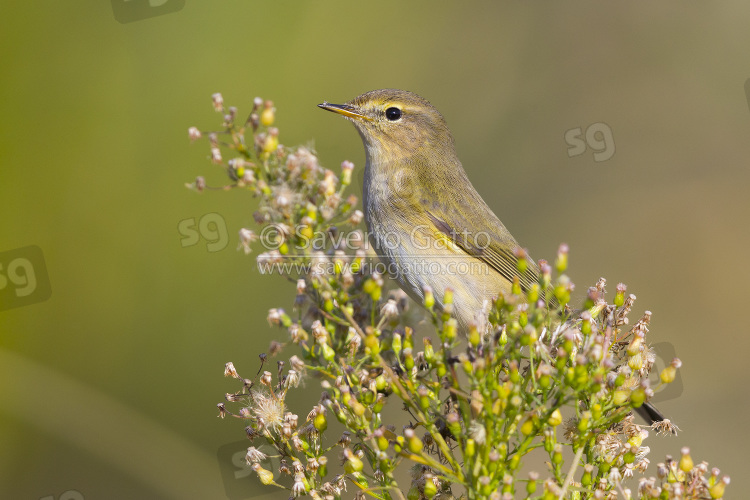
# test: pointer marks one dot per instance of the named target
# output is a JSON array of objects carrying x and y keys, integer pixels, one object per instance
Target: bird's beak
[{"x": 345, "y": 109}]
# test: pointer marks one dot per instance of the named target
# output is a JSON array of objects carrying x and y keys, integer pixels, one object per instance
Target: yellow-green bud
[
  {"x": 620, "y": 398},
  {"x": 414, "y": 493},
  {"x": 271, "y": 143},
  {"x": 266, "y": 476},
  {"x": 430, "y": 490},
  {"x": 408, "y": 359},
  {"x": 470, "y": 448},
  {"x": 429, "y": 298},
  {"x": 515, "y": 288},
  {"x": 637, "y": 397},
  {"x": 369, "y": 285},
  {"x": 596, "y": 411},
  {"x": 429, "y": 352},
  {"x": 561, "y": 262},
  {"x": 396, "y": 344},
  {"x": 474, "y": 337},
  {"x": 668, "y": 374},
  {"x": 717, "y": 490},
  {"x": 556, "y": 418},
  {"x": 328, "y": 353},
  {"x": 320, "y": 422},
  {"x": 382, "y": 443},
  {"x": 358, "y": 408},
  {"x": 450, "y": 329},
  {"x": 527, "y": 427},
  {"x": 531, "y": 486},
  {"x": 533, "y": 294},
  {"x": 267, "y": 116},
  {"x": 686, "y": 461},
  {"x": 587, "y": 479},
  {"x": 557, "y": 457},
  {"x": 415, "y": 444},
  {"x": 353, "y": 463},
  {"x": 408, "y": 338},
  {"x": 372, "y": 344},
  {"x": 620, "y": 295}
]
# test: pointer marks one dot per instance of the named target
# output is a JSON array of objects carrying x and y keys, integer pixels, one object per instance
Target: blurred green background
[{"x": 108, "y": 388}]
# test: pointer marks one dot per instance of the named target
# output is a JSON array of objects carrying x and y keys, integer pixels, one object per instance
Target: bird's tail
[{"x": 649, "y": 413}]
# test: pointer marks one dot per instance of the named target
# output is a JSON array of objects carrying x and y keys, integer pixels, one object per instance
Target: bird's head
[{"x": 397, "y": 125}]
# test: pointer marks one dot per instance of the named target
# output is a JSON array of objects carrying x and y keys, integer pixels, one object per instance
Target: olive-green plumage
[{"x": 425, "y": 219}]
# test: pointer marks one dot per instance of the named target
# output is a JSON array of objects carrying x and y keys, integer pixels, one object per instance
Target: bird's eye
[{"x": 393, "y": 114}]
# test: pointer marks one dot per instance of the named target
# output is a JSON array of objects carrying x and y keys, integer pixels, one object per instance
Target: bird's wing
[{"x": 493, "y": 244}]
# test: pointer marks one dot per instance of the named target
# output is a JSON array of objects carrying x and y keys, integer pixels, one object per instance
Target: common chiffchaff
[{"x": 425, "y": 219}]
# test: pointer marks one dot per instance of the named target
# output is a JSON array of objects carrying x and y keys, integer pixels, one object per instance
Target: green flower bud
[
  {"x": 372, "y": 344},
  {"x": 620, "y": 398},
  {"x": 503, "y": 339},
  {"x": 268, "y": 115},
  {"x": 596, "y": 411},
  {"x": 717, "y": 490},
  {"x": 381, "y": 383},
  {"x": 557, "y": 457},
  {"x": 358, "y": 408},
  {"x": 353, "y": 463},
  {"x": 429, "y": 298},
  {"x": 531, "y": 486},
  {"x": 527, "y": 428},
  {"x": 474, "y": 337},
  {"x": 328, "y": 353},
  {"x": 266, "y": 476},
  {"x": 415, "y": 445},
  {"x": 320, "y": 422},
  {"x": 470, "y": 448},
  {"x": 620, "y": 295},
  {"x": 637, "y": 397},
  {"x": 430, "y": 490},
  {"x": 382, "y": 443},
  {"x": 396, "y": 344},
  {"x": 587, "y": 478},
  {"x": 379, "y": 403},
  {"x": 668, "y": 374},
  {"x": 408, "y": 338},
  {"x": 414, "y": 493},
  {"x": 429, "y": 352},
  {"x": 408, "y": 359},
  {"x": 533, "y": 294},
  {"x": 561, "y": 262},
  {"x": 515, "y": 288},
  {"x": 450, "y": 329},
  {"x": 556, "y": 418},
  {"x": 686, "y": 461}
]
